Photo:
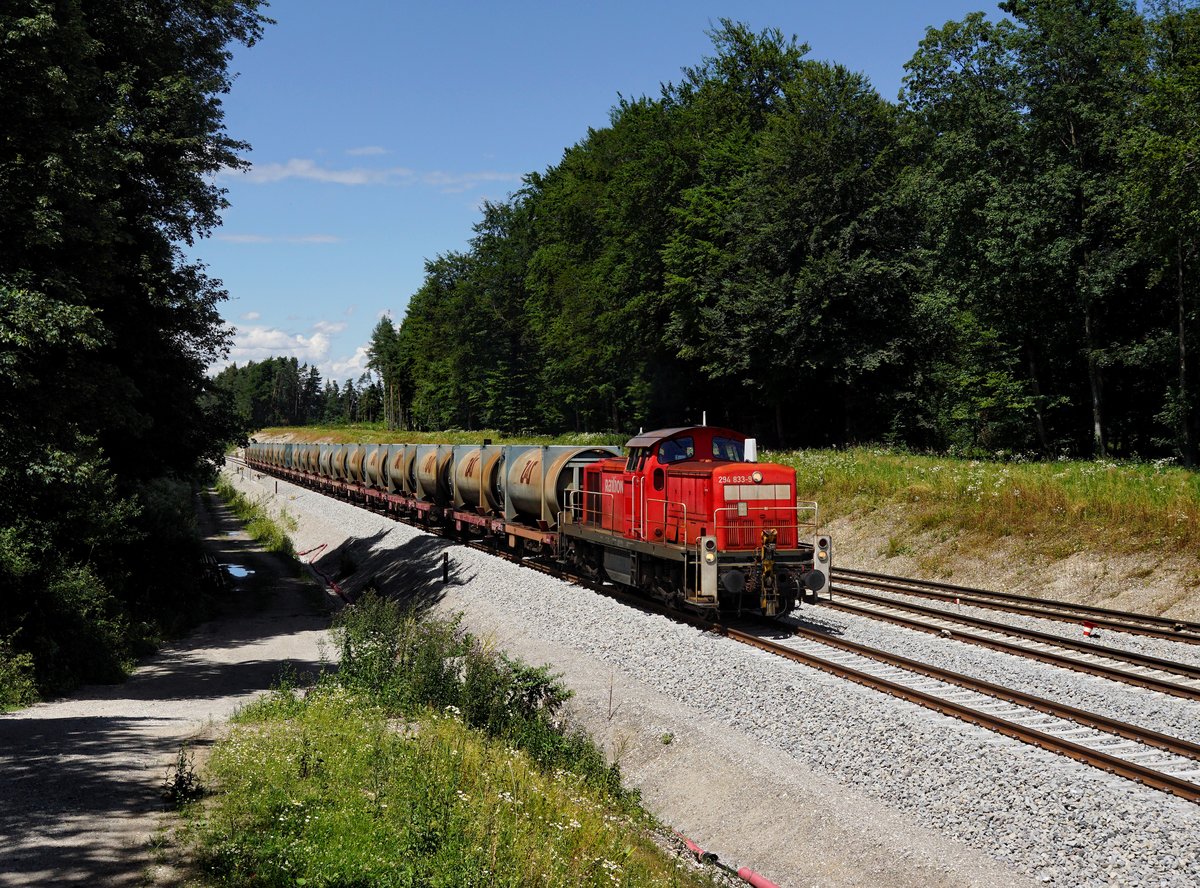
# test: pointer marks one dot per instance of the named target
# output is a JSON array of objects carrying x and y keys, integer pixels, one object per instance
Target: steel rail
[
  {"x": 1176, "y": 745},
  {"x": 1183, "y": 670},
  {"x": 1103, "y": 760},
  {"x": 1134, "y": 623},
  {"x": 1079, "y": 752}
]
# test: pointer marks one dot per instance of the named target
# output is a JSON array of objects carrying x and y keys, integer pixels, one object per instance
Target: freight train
[{"x": 686, "y": 515}]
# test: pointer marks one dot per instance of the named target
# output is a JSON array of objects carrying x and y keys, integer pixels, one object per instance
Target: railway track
[
  {"x": 1050, "y": 609},
  {"x": 1156, "y": 760},
  {"x": 1128, "y": 667},
  {"x": 1163, "y": 762}
]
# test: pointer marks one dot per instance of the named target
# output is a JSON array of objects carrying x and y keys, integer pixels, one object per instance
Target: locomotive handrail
[
  {"x": 667, "y": 521},
  {"x": 573, "y": 497}
]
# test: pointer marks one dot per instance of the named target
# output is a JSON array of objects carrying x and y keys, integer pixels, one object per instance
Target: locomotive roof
[{"x": 646, "y": 439}]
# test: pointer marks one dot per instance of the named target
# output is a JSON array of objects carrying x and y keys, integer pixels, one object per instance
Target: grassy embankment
[
  {"x": 426, "y": 759},
  {"x": 1055, "y": 508}
]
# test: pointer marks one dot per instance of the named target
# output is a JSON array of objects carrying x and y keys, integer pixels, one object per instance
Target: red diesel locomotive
[{"x": 686, "y": 515}]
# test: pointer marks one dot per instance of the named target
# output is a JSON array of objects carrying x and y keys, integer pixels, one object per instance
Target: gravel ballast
[{"x": 912, "y": 779}]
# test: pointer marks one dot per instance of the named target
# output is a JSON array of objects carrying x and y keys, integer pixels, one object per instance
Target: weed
[
  {"x": 182, "y": 784},
  {"x": 612, "y": 710},
  {"x": 667, "y": 739}
]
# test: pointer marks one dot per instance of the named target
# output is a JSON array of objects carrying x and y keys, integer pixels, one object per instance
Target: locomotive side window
[
  {"x": 676, "y": 449},
  {"x": 660, "y": 478},
  {"x": 728, "y": 448},
  {"x": 632, "y": 464}
]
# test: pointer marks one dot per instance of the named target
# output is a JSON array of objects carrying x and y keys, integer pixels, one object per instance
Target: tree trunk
[
  {"x": 1185, "y": 420},
  {"x": 1038, "y": 420},
  {"x": 1096, "y": 385}
]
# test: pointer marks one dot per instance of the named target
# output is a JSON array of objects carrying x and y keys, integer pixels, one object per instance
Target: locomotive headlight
[
  {"x": 756, "y": 477},
  {"x": 710, "y": 557}
]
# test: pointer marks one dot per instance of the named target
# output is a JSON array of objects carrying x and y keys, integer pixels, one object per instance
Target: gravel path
[{"x": 80, "y": 778}]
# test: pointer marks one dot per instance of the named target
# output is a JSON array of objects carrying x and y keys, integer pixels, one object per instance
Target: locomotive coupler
[{"x": 768, "y": 581}]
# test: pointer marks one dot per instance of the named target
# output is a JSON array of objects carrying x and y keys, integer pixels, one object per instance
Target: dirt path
[{"x": 80, "y": 778}]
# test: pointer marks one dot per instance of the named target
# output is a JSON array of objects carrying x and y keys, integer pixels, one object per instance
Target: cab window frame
[{"x": 677, "y": 450}]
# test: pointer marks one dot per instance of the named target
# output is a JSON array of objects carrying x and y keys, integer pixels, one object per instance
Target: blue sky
[{"x": 378, "y": 128}]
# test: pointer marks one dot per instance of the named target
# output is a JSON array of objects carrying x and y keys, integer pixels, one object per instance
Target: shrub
[{"x": 17, "y": 686}]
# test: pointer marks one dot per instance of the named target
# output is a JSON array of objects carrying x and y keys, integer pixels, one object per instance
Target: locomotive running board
[{"x": 607, "y": 538}]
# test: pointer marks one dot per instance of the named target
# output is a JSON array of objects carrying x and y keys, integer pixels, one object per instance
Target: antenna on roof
[{"x": 704, "y": 418}]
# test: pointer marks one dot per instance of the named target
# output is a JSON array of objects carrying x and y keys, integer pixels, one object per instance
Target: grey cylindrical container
[
  {"x": 536, "y": 479},
  {"x": 476, "y": 478},
  {"x": 355, "y": 456},
  {"x": 375, "y": 465},
  {"x": 433, "y": 467},
  {"x": 337, "y": 461}
]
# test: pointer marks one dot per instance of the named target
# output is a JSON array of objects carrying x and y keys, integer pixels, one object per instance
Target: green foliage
[
  {"x": 425, "y": 758},
  {"x": 1005, "y": 259},
  {"x": 329, "y": 792},
  {"x": 405, "y": 663},
  {"x": 113, "y": 131},
  {"x": 17, "y": 686},
  {"x": 1052, "y": 506}
]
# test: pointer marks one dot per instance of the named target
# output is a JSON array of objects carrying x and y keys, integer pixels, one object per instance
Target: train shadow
[{"x": 416, "y": 573}]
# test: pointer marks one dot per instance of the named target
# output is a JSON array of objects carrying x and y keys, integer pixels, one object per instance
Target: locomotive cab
[{"x": 690, "y": 495}]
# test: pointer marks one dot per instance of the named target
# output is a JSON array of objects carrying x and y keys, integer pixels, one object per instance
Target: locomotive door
[{"x": 634, "y": 504}]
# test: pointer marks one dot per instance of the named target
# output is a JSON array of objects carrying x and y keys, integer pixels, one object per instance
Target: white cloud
[
  {"x": 251, "y": 316},
  {"x": 275, "y": 239},
  {"x": 366, "y": 151},
  {"x": 298, "y": 168},
  {"x": 258, "y": 343},
  {"x": 310, "y": 170},
  {"x": 349, "y": 368},
  {"x": 455, "y": 183}
]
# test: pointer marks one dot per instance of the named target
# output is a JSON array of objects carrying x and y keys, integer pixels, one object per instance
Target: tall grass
[
  {"x": 425, "y": 759},
  {"x": 1059, "y": 506},
  {"x": 269, "y": 531}
]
